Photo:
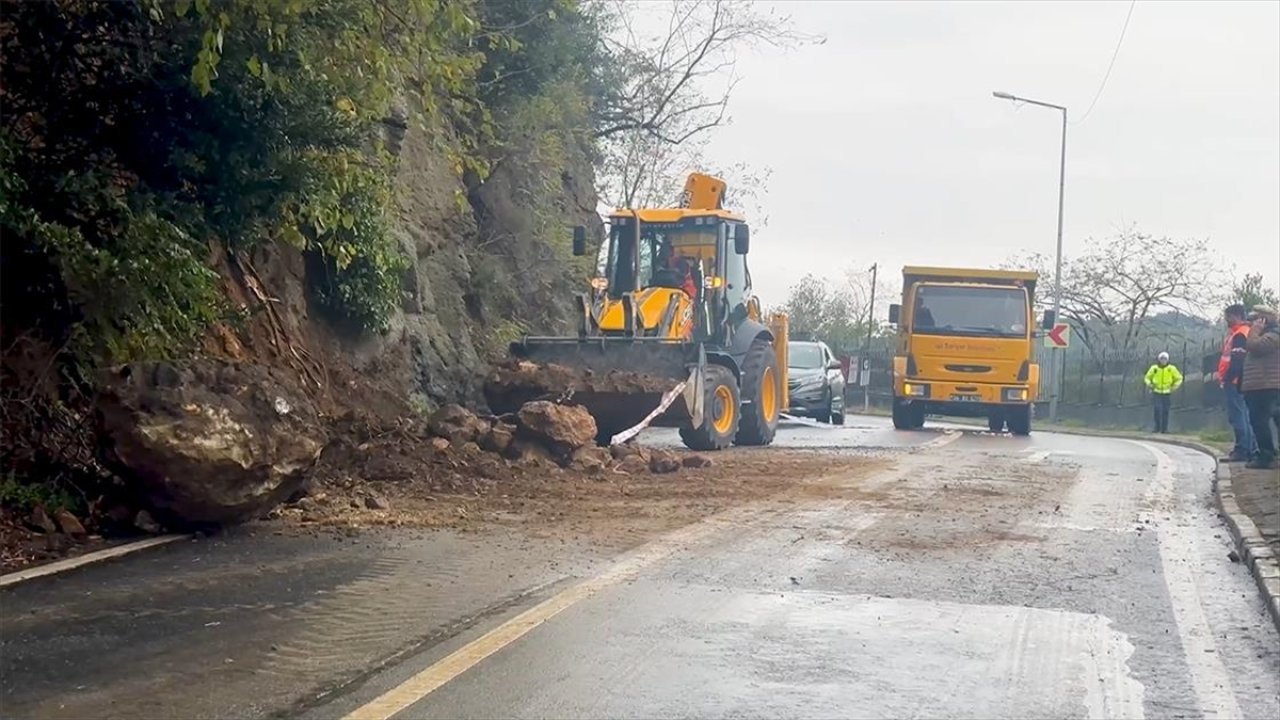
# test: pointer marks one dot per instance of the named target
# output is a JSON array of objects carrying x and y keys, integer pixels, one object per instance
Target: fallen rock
[
  {"x": 374, "y": 502},
  {"x": 497, "y": 438},
  {"x": 144, "y": 522},
  {"x": 456, "y": 424},
  {"x": 663, "y": 461},
  {"x": 526, "y": 452},
  {"x": 696, "y": 461},
  {"x": 591, "y": 459},
  {"x": 69, "y": 523},
  {"x": 439, "y": 444},
  {"x": 208, "y": 441},
  {"x": 41, "y": 521},
  {"x": 470, "y": 449},
  {"x": 633, "y": 465},
  {"x": 561, "y": 428},
  {"x": 625, "y": 449}
]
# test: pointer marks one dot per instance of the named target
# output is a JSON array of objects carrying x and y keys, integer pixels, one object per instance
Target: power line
[{"x": 1102, "y": 86}]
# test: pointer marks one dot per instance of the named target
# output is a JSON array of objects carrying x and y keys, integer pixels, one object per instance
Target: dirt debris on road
[{"x": 397, "y": 477}]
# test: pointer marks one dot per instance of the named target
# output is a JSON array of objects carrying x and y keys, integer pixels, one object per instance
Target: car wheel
[
  {"x": 824, "y": 415},
  {"x": 837, "y": 416}
]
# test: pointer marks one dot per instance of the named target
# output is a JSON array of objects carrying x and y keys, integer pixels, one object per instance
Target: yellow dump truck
[{"x": 965, "y": 347}]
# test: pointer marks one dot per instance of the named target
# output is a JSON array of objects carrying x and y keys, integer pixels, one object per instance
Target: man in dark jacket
[
  {"x": 1230, "y": 373},
  {"x": 1261, "y": 384}
]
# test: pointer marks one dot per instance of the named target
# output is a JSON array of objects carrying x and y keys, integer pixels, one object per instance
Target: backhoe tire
[
  {"x": 761, "y": 395},
  {"x": 721, "y": 413}
]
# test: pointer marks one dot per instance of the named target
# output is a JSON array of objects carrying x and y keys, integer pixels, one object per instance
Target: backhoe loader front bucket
[{"x": 620, "y": 381}]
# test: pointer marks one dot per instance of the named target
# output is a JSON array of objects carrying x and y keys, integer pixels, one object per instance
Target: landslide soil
[{"x": 398, "y": 481}]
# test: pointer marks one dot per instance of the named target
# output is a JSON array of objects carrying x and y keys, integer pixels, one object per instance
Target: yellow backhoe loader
[{"x": 669, "y": 334}]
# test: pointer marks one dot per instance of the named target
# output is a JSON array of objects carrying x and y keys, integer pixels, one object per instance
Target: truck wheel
[
  {"x": 1020, "y": 420},
  {"x": 761, "y": 399},
  {"x": 720, "y": 413},
  {"x": 916, "y": 412},
  {"x": 901, "y": 415},
  {"x": 995, "y": 423}
]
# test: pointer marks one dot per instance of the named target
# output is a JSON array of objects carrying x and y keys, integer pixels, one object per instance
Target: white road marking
[
  {"x": 948, "y": 437},
  {"x": 1178, "y": 551},
  {"x": 87, "y": 559}
]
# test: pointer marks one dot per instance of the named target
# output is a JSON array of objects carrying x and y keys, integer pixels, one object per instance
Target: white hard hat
[{"x": 1163, "y": 356}]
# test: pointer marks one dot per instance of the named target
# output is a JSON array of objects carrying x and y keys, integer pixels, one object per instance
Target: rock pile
[
  {"x": 209, "y": 442},
  {"x": 544, "y": 432}
]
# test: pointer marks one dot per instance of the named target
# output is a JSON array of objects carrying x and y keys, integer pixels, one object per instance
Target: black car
[{"x": 815, "y": 381}]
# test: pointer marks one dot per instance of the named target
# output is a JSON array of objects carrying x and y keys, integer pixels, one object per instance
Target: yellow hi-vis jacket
[{"x": 1163, "y": 380}]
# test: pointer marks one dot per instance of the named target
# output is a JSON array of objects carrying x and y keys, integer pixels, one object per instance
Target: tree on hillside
[
  {"x": 669, "y": 86},
  {"x": 836, "y": 312},
  {"x": 1112, "y": 290},
  {"x": 1251, "y": 292}
]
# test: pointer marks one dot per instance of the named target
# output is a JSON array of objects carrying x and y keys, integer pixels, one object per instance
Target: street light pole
[
  {"x": 1055, "y": 357},
  {"x": 864, "y": 361}
]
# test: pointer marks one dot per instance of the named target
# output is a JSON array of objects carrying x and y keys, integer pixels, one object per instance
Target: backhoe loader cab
[{"x": 673, "y": 303}]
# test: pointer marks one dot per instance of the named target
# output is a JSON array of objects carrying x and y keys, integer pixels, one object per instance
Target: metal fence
[{"x": 1106, "y": 391}]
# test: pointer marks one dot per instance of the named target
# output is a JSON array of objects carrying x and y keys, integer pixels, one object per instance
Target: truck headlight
[
  {"x": 915, "y": 389},
  {"x": 1015, "y": 394}
]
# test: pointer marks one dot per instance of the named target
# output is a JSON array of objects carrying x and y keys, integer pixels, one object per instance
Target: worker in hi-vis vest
[{"x": 1162, "y": 379}]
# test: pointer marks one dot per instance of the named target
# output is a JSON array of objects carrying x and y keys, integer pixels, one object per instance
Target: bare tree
[
  {"x": 672, "y": 75},
  {"x": 1117, "y": 285}
]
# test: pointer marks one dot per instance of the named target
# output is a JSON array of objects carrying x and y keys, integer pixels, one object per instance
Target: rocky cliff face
[{"x": 488, "y": 261}]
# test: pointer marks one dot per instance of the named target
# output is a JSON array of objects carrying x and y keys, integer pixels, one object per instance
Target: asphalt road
[{"x": 976, "y": 576}]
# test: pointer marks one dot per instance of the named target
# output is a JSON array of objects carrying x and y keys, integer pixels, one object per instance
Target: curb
[
  {"x": 73, "y": 563},
  {"x": 1253, "y": 550}
]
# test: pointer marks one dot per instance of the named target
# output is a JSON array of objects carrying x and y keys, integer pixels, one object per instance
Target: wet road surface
[{"x": 976, "y": 576}]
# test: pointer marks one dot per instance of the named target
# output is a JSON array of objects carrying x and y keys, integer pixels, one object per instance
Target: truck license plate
[{"x": 967, "y": 398}]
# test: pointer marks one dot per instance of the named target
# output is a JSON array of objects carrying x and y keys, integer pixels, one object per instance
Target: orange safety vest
[{"x": 1224, "y": 361}]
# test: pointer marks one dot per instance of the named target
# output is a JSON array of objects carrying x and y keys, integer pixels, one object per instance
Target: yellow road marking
[{"x": 468, "y": 656}]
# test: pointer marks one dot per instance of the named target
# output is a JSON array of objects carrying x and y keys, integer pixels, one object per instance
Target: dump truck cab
[{"x": 965, "y": 347}]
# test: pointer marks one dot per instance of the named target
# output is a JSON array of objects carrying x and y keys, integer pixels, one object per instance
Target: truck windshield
[
  {"x": 803, "y": 356},
  {"x": 662, "y": 257},
  {"x": 970, "y": 311}
]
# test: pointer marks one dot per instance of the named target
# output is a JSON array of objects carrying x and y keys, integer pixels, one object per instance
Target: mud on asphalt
[{"x": 614, "y": 507}]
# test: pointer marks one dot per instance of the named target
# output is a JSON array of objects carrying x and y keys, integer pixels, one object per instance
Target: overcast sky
[{"x": 886, "y": 144}]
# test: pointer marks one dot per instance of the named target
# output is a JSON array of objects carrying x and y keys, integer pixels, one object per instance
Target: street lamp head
[{"x": 1003, "y": 95}]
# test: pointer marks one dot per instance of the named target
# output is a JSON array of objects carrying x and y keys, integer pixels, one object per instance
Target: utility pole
[{"x": 863, "y": 361}]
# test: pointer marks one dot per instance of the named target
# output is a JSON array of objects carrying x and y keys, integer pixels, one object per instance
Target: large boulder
[
  {"x": 208, "y": 442},
  {"x": 561, "y": 428}
]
